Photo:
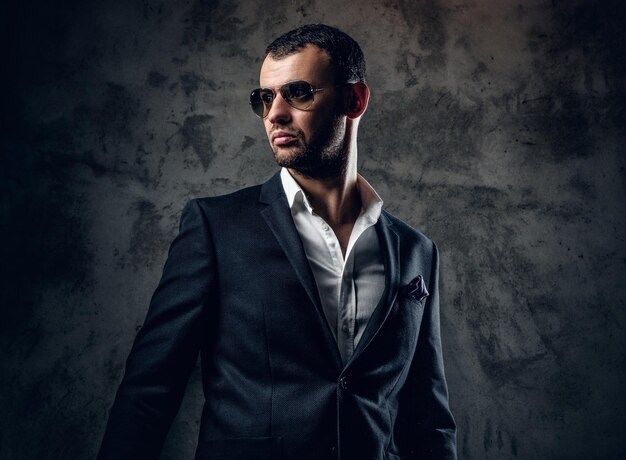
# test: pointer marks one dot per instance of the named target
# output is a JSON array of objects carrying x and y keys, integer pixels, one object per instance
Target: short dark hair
[{"x": 346, "y": 55}]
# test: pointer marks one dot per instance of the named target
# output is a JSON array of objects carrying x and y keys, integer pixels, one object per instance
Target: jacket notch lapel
[
  {"x": 277, "y": 215},
  {"x": 390, "y": 246}
]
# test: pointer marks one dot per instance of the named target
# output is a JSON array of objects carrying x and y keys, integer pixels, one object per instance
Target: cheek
[
  {"x": 309, "y": 123},
  {"x": 325, "y": 127}
]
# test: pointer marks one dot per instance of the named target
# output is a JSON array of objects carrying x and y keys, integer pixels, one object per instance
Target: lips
[{"x": 283, "y": 138}]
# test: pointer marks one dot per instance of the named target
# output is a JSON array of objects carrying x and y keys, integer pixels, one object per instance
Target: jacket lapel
[
  {"x": 390, "y": 246},
  {"x": 277, "y": 215}
]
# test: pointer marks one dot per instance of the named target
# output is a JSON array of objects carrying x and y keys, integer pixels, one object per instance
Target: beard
[{"x": 323, "y": 158}]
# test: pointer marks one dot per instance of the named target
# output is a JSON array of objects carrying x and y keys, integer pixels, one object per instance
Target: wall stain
[
  {"x": 148, "y": 238},
  {"x": 488, "y": 432},
  {"x": 430, "y": 16},
  {"x": 191, "y": 82},
  {"x": 116, "y": 115},
  {"x": 514, "y": 445},
  {"x": 156, "y": 79},
  {"x": 196, "y": 132},
  {"x": 465, "y": 437},
  {"x": 247, "y": 142},
  {"x": 583, "y": 187},
  {"x": 209, "y": 20},
  {"x": 152, "y": 9}
]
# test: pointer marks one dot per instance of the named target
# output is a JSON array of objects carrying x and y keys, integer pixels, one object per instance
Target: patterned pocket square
[{"x": 416, "y": 289}]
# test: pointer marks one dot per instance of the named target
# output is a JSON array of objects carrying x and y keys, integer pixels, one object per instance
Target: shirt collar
[{"x": 370, "y": 200}]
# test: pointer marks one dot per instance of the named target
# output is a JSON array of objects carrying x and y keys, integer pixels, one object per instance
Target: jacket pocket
[{"x": 240, "y": 449}]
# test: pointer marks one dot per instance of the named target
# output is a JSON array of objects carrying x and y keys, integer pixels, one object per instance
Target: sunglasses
[{"x": 298, "y": 94}]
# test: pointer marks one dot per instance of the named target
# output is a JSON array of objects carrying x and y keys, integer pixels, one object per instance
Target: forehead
[{"x": 311, "y": 64}]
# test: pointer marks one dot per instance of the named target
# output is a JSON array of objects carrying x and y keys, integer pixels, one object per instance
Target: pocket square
[{"x": 416, "y": 289}]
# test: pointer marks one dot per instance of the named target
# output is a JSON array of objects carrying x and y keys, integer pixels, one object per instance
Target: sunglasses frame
[{"x": 288, "y": 100}]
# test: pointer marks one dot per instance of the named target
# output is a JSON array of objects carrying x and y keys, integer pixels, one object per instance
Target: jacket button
[{"x": 343, "y": 383}]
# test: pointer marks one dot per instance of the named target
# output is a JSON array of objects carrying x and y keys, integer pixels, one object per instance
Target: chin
[
  {"x": 288, "y": 156},
  {"x": 310, "y": 162}
]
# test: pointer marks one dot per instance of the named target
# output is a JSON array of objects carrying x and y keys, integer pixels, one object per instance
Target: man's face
[{"x": 309, "y": 141}]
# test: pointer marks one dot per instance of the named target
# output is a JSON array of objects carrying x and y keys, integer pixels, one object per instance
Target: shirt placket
[
  {"x": 347, "y": 311},
  {"x": 345, "y": 295}
]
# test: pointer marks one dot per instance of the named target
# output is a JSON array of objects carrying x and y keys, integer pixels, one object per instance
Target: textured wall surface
[{"x": 496, "y": 127}]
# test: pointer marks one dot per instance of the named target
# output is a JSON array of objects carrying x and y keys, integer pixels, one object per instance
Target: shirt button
[
  {"x": 344, "y": 328},
  {"x": 343, "y": 383}
]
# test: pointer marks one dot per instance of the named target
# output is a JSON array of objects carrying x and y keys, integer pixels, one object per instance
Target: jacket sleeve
[
  {"x": 166, "y": 347},
  {"x": 431, "y": 430}
]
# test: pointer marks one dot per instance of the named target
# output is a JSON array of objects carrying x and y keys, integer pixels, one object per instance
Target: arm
[
  {"x": 165, "y": 349},
  {"x": 432, "y": 430}
]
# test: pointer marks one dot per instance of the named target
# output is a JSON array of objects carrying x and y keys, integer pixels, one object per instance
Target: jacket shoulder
[
  {"x": 227, "y": 206},
  {"x": 406, "y": 232},
  {"x": 239, "y": 197}
]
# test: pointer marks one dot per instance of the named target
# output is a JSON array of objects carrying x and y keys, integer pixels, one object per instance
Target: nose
[{"x": 280, "y": 111}]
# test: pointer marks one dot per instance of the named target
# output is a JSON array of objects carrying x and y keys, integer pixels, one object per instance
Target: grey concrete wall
[{"x": 496, "y": 127}]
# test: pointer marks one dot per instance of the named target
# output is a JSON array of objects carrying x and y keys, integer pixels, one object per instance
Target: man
[{"x": 315, "y": 312}]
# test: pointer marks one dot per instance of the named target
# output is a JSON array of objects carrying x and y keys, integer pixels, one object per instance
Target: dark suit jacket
[{"x": 237, "y": 288}]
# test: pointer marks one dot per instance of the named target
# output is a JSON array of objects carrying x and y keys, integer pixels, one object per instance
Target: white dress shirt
[{"x": 350, "y": 287}]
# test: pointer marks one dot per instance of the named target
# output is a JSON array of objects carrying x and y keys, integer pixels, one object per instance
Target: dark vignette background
[{"x": 496, "y": 127}]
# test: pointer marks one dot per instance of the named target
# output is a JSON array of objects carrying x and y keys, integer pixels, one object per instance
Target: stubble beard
[{"x": 325, "y": 158}]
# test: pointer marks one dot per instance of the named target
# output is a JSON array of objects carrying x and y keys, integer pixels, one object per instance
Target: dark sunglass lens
[
  {"x": 267, "y": 96},
  {"x": 258, "y": 102},
  {"x": 298, "y": 93}
]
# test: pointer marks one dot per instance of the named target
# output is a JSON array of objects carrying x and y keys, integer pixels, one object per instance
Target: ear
[{"x": 357, "y": 96}]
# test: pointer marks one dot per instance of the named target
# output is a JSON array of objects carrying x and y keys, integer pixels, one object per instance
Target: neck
[{"x": 336, "y": 200}]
